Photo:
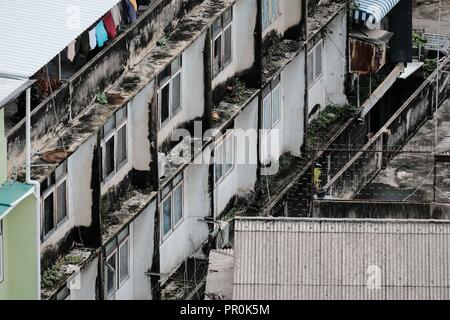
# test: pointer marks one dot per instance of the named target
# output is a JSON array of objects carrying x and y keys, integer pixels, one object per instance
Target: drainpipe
[{"x": 37, "y": 187}]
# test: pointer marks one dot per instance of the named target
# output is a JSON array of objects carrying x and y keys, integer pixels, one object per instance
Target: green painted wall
[
  {"x": 2, "y": 148},
  {"x": 20, "y": 252}
]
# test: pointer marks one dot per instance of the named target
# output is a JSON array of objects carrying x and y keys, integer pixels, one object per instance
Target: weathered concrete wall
[
  {"x": 243, "y": 40},
  {"x": 290, "y": 16},
  {"x": 370, "y": 210},
  {"x": 241, "y": 180},
  {"x": 87, "y": 280},
  {"x": 144, "y": 246},
  {"x": 330, "y": 88},
  {"x": 102, "y": 71},
  {"x": 192, "y": 90},
  {"x": 293, "y": 93},
  {"x": 190, "y": 233}
]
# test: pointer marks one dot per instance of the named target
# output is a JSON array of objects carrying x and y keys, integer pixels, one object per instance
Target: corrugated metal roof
[
  {"x": 297, "y": 259},
  {"x": 34, "y": 32},
  {"x": 8, "y": 87}
]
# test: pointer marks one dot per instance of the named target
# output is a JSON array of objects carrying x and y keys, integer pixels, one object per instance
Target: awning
[
  {"x": 11, "y": 194},
  {"x": 372, "y": 12},
  {"x": 33, "y": 32}
]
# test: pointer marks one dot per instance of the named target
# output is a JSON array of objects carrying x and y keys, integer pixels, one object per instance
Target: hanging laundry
[
  {"x": 71, "y": 51},
  {"x": 116, "y": 15},
  {"x": 134, "y": 3},
  {"x": 109, "y": 25},
  {"x": 101, "y": 34},
  {"x": 130, "y": 13},
  {"x": 92, "y": 39},
  {"x": 84, "y": 44}
]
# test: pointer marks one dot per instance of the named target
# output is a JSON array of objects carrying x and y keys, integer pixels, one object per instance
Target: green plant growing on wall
[
  {"x": 429, "y": 66},
  {"x": 162, "y": 41},
  {"x": 101, "y": 98},
  {"x": 419, "y": 41}
]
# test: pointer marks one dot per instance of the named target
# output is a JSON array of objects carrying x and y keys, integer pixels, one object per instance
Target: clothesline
[{"x": 106, "y": 28}]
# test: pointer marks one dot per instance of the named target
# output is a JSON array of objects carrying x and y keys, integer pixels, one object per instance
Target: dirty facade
[{"x": 120, "y": 210}]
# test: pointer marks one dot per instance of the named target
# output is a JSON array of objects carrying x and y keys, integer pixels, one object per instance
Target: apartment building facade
[{"x": 138, "y": 157}]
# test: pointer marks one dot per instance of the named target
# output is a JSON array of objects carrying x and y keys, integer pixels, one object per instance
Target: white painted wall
[
  {"x": 241, "y": 180},
  {"x": 190, "y": 233},
  {"x": 115, "y": 180},
  {"x": 126, "y": 291},
  {"x": 143, "y": 241},
  {"x": 290, "y": 15},
  {"x": 292, "y": 117},
  {"x": 140, "y": 119},
  {"x": 243, "y": 28},
  {"x": 79, "y": 192},
  {"x": 86, "y": 279},
  {"x": 330, "y": 88},
  {"x": 192, "y": 89}
]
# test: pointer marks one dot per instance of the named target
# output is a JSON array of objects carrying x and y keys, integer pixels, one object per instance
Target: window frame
[
  {"x": 115, "y": 247},
  {"x": 271, "y": 88},
  {"x": 224, "y": 26},
  {"x": 221, "y": 145},
  {"x": 53, "y": 190},
  {"x": 271, "y": 18},
  {"x": 168, "y": 81},
  {"x": 114, "y": 134},
  {"x": 312, "y": 64},
  {"x": 166, "y": 194}
]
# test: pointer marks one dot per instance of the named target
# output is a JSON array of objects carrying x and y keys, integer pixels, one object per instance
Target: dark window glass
[
  {"x": 167, "y": 215},
  {"x": 61, "y": 201},
  {"x": 109, "y": 157},
  {"x": 122, "y": 145},
  {"x": 165, "y": 100},
  {"x": 176, "y": 93},
  {"x": 49, "y": 222}
]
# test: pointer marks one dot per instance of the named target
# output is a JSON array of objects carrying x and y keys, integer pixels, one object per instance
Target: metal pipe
[{"x": 37, "y": 195}]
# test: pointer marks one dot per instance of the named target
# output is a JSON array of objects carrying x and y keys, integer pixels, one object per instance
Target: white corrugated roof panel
[
  {"x": 34, "y": 32},
  {"x": 326, "y": 259},
  {"x": 8, "y": 87}
]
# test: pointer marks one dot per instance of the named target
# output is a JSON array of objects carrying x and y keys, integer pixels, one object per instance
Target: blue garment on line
[
  {"x": 129, "y": 12},
  {"x": 101, "y": 34}
]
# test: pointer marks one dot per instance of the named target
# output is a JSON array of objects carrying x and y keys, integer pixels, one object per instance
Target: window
[
  {"x": 272, "y": 104},
  {"x": 54, "y": 200},
  {"x": 222, "y": 42},
  {"x": 172, "y": 205},
  {"x": 270, "y": 12},
  {"x": 224, "y": 157},
  {"x": 2, "y": 276},
  {"x": 117, "y": 263},
  {"x": 114, "y": 144},
  {"x": 315, "y": 63},
  {"x": 169, "y": 92}
]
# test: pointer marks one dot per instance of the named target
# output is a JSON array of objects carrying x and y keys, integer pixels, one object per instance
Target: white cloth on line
[
  {"x": 92, "y": 39},
  {"x": 71, "y": 50},
  {"x": 117, "y": 17}
]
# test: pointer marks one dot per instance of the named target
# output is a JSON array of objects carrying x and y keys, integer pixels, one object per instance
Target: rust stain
[{"x": 366, "y": 58}]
